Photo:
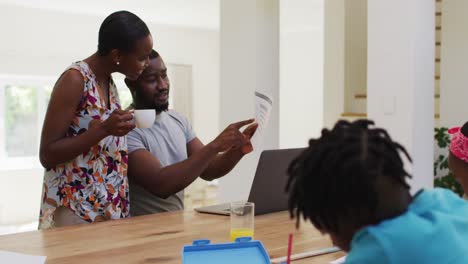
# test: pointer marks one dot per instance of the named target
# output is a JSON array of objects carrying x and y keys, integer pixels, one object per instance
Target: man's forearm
[{"x": 222, "y": 164}]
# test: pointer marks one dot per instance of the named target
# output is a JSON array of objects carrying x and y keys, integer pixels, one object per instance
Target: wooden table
[{"x": 159, "y": 238}]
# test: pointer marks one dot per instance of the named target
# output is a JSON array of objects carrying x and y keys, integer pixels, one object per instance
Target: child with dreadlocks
[
  {"x": 351, "y": 184},
  {"x": 458, "y": 155}
]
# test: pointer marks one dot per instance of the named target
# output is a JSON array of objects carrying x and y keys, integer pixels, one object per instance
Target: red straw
[{"x": 288, "y": 259}]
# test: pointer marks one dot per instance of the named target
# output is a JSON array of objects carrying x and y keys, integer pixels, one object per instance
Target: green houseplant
[{"x": 443, "y": 177}]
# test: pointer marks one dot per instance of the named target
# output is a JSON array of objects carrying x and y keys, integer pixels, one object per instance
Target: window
[{"x": 23, "y": 102}]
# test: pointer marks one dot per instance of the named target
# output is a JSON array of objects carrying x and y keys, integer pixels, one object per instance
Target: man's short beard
[{"x": 162, "y": 107}]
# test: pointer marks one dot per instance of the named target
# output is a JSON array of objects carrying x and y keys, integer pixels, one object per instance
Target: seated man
[
  {"x": 351, "y": 184},
  {"x": 166, "y": 158}
]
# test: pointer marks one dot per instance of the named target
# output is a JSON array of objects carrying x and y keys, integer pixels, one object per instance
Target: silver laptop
[{"x": 268, "y": 187}]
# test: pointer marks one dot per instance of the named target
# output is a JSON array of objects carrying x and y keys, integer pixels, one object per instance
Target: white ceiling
[
  {"x": 192, "y": 13},
  {"x": 296, "y": 15}
]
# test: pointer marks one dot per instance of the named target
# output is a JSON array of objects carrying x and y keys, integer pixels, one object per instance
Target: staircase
[
  {"x": 358, "y": 107},
  {"x": 360, "y": 103}
]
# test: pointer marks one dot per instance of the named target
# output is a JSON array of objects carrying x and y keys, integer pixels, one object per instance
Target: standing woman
[{"x": 83, "y": 145}]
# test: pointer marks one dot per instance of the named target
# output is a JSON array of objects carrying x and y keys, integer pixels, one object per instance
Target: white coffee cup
[{"x": 144, "y": 118}]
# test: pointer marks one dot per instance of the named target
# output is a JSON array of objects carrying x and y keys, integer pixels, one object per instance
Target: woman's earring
[{"x": 118, "y": 63}]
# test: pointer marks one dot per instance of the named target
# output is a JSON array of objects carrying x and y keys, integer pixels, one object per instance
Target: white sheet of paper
[
  {"x": 339, "y": 261},
  {"x": 17, "y": 258},
  {"x": 263, "y": 105}
]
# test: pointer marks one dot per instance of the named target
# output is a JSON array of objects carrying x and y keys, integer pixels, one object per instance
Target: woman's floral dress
[{"x": 94, "y": 185}]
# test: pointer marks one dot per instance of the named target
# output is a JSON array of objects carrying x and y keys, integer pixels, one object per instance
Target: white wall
[
  {"x": 300, "y": 97},
  {"x": 301, "y": 71},
  {"x": 454, "y": 63},
  {"x": 249, "y": 62},
  {"x": 41, "y": 42},
  {"x": 21, "y": 196},
  {"x": 401, "y": 78}
]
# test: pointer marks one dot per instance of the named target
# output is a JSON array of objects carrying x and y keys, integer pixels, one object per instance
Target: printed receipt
[{"x": 263, "y": 105}]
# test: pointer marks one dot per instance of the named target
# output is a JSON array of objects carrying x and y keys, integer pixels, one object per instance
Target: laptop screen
[{"x": 268, "y": 187}]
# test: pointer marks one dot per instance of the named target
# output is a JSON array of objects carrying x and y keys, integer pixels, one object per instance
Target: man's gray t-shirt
[{"x": 167, "y": 140}]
